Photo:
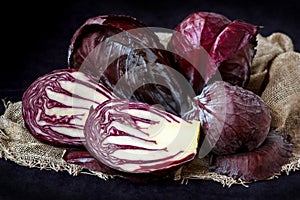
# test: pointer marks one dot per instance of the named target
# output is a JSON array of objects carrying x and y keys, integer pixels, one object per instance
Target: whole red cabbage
[
  {"x": 211, "y": 41},
  {"x": 56, "y": 105},
  {"x": 233, "y": 119},
  {"x": 127, "y": 57}
]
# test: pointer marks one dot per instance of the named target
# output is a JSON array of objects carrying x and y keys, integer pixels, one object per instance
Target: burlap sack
[
  {"x": 266, "y": 50},
  {"x": 281, "y": 94}
]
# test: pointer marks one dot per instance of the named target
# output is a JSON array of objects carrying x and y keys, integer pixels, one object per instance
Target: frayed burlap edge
[
  {"x": 13, "y": 135},
  {"x": 226, "y": 181}
]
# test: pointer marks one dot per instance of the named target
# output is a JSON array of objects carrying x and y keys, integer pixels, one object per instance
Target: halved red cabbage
[
  {"x": 135, "y": 137},
  {"x": 127, "y": 57},
  {"x": 56, "y": 105},
  {"x": 233, "y": 119},
  {"x": 229, "y": 44},
  {"x": 259, "y": 164}
]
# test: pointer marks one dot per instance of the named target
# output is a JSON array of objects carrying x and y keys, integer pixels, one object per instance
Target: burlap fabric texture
[{"x": 275, "y": 76}]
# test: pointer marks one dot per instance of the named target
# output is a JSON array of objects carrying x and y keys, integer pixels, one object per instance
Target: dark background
[{"x": 35, "y": 39}]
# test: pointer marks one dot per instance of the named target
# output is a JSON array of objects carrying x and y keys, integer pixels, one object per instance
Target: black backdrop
[{"x": 35, "y": 38}]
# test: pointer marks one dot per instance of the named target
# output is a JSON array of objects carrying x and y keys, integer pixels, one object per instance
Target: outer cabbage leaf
[{"x": 259, "y": 164}]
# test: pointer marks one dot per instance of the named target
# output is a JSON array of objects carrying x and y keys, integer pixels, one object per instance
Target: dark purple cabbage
[
  {"x": 207, "y": 41},
  {"x": 233, "y": 119},
  {"x": 56, "y": 106},
  {"x": 127, "y": 57},
  {"x": 85, "y": 159},
  {"x": 134, "y": 137},
  {"x": 259, "y": 164}
]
